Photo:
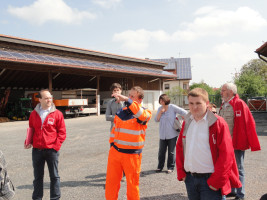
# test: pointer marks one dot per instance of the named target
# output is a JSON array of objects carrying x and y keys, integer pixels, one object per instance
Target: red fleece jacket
[
  {"x": 225, "y": 174},
  {"x": 244, "y": 132},
  {"x": 52, "y": 133}
]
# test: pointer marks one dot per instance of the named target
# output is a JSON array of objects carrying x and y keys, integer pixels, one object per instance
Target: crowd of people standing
[{"x": 209, "y": 154}]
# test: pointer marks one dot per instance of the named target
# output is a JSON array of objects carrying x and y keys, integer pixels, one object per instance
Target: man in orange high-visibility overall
[{"x": 125, "y": 154}]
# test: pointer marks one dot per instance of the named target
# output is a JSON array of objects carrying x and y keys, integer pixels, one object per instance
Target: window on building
[
  {"x": 167, "y": 86},
  {"x": 185, "y": 86}
]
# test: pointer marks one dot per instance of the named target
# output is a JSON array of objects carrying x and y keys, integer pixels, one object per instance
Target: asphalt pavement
[{"x": 83, "y": 161}]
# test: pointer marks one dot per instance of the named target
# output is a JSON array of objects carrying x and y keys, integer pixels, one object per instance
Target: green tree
[
  {"x": 217, "y": 99},
  {"x": 175, "y": 95},
  {"x": 257, "y": 66},
  {"x": 251, "y": 83},
  {"x": 214, "y": 95},
  {"x": 252, "y": 79},
  {"x": 203, "y": 85},
  {"x": 175, "y": 91}
]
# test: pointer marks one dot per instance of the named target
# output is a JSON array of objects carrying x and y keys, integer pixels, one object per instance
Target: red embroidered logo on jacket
[
  {"x": 50, "y": 121},
  {"x": 213, "y": 138},
  {"x": 238, "y": 113}
]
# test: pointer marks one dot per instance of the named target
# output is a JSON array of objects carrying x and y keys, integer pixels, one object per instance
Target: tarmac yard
[{"x": 83, "y": 161}]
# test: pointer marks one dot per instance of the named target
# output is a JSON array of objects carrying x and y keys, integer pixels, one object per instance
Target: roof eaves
[
  {"x": 262, "y": 52},
  {"x": 262, "y": 49},
  {"x": 74, "y": 49},
  {"x": 75, "y": 66}
]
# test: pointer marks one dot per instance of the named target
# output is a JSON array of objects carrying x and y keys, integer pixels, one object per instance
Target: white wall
[
  {"x": 151, "y": 99},
  {"x": 175, "y": 83}
]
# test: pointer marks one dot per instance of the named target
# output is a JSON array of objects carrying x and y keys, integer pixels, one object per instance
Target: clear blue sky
[{"x": 218, "y": 36}]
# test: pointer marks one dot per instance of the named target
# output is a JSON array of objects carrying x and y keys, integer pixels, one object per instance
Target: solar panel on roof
[
  {"x": 48, "y": 59},
  {"x": 53, "y": 59},
  {"x": 71, "y": 61},
  {"x": 79, "y": 62},
  {"x": 182, "y": 66},
  {"x": 40, "y": 58},
  {"x": 63, "y": 60},
  {"x": 17, "y": 55},
  {"x": 6, "y": 54},
  {"x": 30, "y": 57}
]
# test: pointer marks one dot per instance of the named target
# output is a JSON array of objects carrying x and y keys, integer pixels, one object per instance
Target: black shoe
[
  {"x": 231, "y": 195},
  {"x": 158, "y": 170}
]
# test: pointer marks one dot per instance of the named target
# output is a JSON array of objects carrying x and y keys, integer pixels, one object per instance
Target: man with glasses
[
  {"x": 49, "y": 130},
  {"x": 242, "y": 129}
]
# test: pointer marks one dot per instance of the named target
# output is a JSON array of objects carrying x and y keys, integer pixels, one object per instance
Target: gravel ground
[{"x": 83, "y": 159}]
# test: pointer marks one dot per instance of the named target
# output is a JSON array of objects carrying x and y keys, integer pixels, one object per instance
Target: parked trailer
[
  {"x": 257, "y": 104},
  {"x": 70, "y": 107},
  {"x": 73, "y": 103}
]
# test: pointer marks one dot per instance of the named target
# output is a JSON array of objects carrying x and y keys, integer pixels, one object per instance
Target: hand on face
[
  {"x": 119, "y": 97},
  {"x": 116, "y": 91}
]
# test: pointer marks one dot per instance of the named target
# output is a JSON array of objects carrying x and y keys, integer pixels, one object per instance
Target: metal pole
[{"x": 50, "y": 81}]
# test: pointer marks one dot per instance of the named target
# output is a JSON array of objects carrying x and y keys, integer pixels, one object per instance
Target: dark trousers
[
  {"x": 163, "y": 145},
  {"x": 39, "y": 157},
  {"x": 198, "y": 189}
]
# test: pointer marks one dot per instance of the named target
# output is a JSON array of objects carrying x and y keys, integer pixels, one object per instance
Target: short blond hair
[
  {"x": 199, "y": 92},
  {"x": 139, "y": 91}
]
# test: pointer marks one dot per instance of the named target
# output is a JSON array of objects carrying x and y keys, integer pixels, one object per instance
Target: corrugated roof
[
  {"x": 182, "y": 66},
  {"x": 68, "y": 62},
  {"x": 28, "y": 42}
]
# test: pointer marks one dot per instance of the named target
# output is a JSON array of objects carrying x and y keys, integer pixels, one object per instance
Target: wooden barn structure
[{"x": 28, "y": 65}]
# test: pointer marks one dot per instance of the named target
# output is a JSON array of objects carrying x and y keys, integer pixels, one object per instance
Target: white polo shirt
[{"x": 198, "y": 157}]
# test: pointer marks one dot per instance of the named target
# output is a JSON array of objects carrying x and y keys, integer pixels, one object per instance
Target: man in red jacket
[
  {"x": 49, "y": 134},
  {"x": 204, "y": 152},
  {"x": 242, "y": 128}
]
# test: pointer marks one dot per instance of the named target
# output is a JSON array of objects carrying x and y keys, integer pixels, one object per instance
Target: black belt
[
  {"x": 41, "y": 149},
  {"x": 129, "y": 151},
  {"x": 199, "y": 175}
]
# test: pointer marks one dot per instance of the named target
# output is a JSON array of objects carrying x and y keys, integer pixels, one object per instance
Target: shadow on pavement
[
  {"x": 177, "y": 196},
  {"x": 93, "y": 183},
  {"x": 97, "y": 176},
  {"x": 146, "y": 173},
  {"x": 103, "y": 175}
]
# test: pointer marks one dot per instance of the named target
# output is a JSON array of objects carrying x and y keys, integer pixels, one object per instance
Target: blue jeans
[
  {"x": 39, "y": 157},
  {"x": 239, "y": 156},
  {"x": 163, "y": 144},
  {"x": 198, "y": 189}
]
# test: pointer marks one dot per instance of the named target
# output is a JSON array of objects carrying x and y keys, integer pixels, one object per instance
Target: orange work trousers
[{"x": 118, "y": 163}]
